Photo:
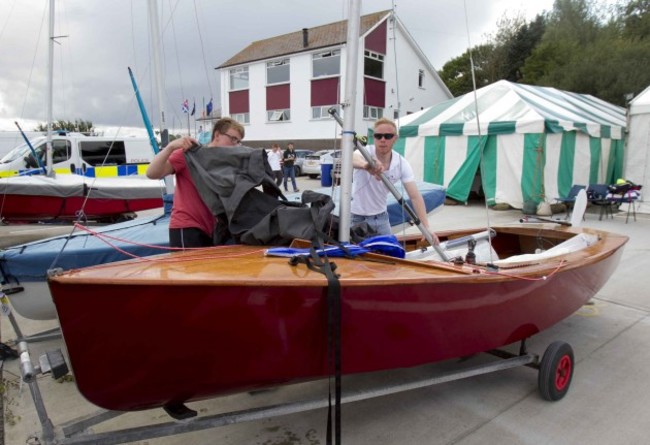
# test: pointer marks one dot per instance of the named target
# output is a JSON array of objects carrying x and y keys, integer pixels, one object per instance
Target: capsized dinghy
[{"x": 193, "y": 325}]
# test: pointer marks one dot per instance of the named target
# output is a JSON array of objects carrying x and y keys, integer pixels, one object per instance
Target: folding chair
[
  {"x": 625, "y": 194},
  {"x": 597, "y": 195},
  {"x": 570, "y": 198}
]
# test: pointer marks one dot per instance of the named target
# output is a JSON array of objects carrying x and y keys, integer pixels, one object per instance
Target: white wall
[{"x": 402, "y": 63}]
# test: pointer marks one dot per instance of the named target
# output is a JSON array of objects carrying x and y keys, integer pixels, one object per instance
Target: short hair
[
  {"x": 385, "y": 120},
  {"x": 226, "y": 123}
]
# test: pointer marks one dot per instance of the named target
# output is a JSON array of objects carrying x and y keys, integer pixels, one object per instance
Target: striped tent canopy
[{"x": 528, "y": 143}]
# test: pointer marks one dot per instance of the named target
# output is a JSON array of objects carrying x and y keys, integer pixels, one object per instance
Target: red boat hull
[
  {"x": 134, "y": 347},
  {"x": 19, "y": 208}
]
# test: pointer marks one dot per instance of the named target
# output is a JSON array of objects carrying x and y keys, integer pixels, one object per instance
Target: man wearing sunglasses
[
  {"x": 192, "y": 223},
  {"x": 369, "y": 194}
]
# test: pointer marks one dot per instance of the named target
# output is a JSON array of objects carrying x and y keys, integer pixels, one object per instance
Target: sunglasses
[{"x": 380, "y": 136}]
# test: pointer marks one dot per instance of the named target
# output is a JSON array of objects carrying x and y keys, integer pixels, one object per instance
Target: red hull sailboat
[
  {"x": 249, "y": 321},
  {"x": 74, "y": 197}
]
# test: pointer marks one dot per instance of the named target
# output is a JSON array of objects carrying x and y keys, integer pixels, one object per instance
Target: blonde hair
[{"x": 385, "y": 120}]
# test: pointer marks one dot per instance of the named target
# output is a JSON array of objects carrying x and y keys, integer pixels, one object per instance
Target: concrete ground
[{"x": 606, "y": 404}]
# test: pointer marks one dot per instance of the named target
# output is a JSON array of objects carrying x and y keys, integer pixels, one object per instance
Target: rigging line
[
  {"x": 478, "y": 122},
  {"x": 178, "y": 64},
  {"x": 31, "y": 71},
  {"x": 4, "y": 27},
  {"x": 205, "y": 66}
]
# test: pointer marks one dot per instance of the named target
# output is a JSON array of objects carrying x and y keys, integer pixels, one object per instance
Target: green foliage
[
  {"x": 79, "y": 126},
  {"x": 580, "y": 46}
]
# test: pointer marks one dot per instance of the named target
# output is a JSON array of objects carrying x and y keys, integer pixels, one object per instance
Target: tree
[{"x": 79, "y": 126}]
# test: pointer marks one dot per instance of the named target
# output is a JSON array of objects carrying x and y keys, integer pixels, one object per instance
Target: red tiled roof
[{"x": 319, "y": 37}]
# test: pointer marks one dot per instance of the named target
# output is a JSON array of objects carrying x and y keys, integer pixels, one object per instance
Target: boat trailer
[{"x": 554, "y": 378}]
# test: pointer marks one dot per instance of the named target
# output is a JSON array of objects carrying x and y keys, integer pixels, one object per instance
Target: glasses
[
  {"x": 234, "y": 139},
  {"x": 387, "y": 136}
]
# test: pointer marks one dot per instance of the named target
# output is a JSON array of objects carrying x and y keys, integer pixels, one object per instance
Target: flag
[
  {"x": 208, "y": 108},
  {"x": 186, "y": 106},
  {"x": 193, "y": 108}
]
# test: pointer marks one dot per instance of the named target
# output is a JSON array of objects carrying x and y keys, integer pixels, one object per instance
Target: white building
[{"x": 281, "y": 88}]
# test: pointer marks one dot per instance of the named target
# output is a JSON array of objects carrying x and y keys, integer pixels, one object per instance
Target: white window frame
[
  {"x": 239, "y": 74},
  {"x": 334, "y": 53},
  {"x": 374, "y": 56},
  {"x": 282, "y": 115},
  {"x": 242, "y": 118},
  {"x": 373, "y": 113},
  {"x": 277, "y": 65},
  {"x": 322, "y": 112}
]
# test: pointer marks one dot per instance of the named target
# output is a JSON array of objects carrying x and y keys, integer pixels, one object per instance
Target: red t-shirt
[{"x": 189, "y": 210}]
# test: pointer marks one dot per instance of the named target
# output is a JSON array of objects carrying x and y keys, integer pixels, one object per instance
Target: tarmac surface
[{"x": 606, "y": 404}]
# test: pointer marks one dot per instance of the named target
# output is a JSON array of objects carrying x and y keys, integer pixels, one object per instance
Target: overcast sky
[{"x": 105, "y": 37}]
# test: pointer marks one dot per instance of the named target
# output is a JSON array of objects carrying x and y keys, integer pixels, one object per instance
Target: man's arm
[
  {"x": 419, "y": 207},
  {"x": 160, "y": 165}
]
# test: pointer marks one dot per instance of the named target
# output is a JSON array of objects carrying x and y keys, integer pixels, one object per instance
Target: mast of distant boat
[
  {"x": 50, "y": 91},
  {"x": 155, "y": 41}
]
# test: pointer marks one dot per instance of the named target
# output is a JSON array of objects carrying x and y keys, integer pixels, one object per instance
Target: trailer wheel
[{"x": 556, "y": 371}]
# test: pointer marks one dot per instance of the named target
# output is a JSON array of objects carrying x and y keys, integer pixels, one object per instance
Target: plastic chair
[
  {"x": 570, "y": 199},
  {"x": 597, "y": 195}
]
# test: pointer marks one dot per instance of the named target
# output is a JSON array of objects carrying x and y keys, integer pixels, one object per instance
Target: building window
[
  {"x": 327, "y": 63},
  {"x": 239, "y": 78},
  {"x": 322, "y": 112},
  {"x": 372, "y": 112},
  {"x": 421, "y": 78},
  {"x": 242, "y": 118},
  {"x": 373, "y": 65},
  {"x": 278, "y": 115},
  {"x": 277, "y": 72}
]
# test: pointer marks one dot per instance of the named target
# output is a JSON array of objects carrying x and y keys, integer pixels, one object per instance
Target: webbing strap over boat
[{"x": 323, "y": 265}]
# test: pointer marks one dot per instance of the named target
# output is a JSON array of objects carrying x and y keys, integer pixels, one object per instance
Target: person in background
[
  {"x": 288, "y": 159},
  {"x": 191, "y": 223},
  {"x": 275, "y": 161},
  {"x": 369, "y": 203}
]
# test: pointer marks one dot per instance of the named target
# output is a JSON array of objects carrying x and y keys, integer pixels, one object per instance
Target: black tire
[
  {"x": 297, "y": 169},
  {"x": 313, "y": 176},
  {"x": 556, "y": 371}
]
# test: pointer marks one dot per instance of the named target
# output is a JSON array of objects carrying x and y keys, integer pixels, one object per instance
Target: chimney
[{"x": 305, "y": 37}]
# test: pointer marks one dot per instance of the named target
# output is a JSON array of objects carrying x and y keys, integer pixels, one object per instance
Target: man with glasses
[
  {"x": 192, "y": 223},
  {"x": 369, "y": 194}
]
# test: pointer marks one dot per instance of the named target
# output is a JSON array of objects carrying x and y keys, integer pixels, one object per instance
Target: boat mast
[
  {"x": 349, "y": 114},
  {"x": 155, "y": 43},
  {"x": 50, "y": 91}
]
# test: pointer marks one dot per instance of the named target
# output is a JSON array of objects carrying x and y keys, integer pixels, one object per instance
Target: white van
[{"x": 75, "y": 153}]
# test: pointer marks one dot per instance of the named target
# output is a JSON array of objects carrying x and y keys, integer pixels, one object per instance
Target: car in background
[
  {"x": 301, "y": 154},
  {"x": 312, "y": 164},
  {"x": 300, "y": 158}
]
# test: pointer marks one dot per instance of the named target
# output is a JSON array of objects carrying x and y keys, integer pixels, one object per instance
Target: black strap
[{"x": 323, "y": 265}]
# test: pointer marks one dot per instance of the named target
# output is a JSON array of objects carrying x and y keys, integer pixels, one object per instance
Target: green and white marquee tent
[{"x": 528, "y": 143}]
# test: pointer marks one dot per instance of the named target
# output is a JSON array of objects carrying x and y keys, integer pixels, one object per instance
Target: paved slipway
[{"x": 607, "y": 402}]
